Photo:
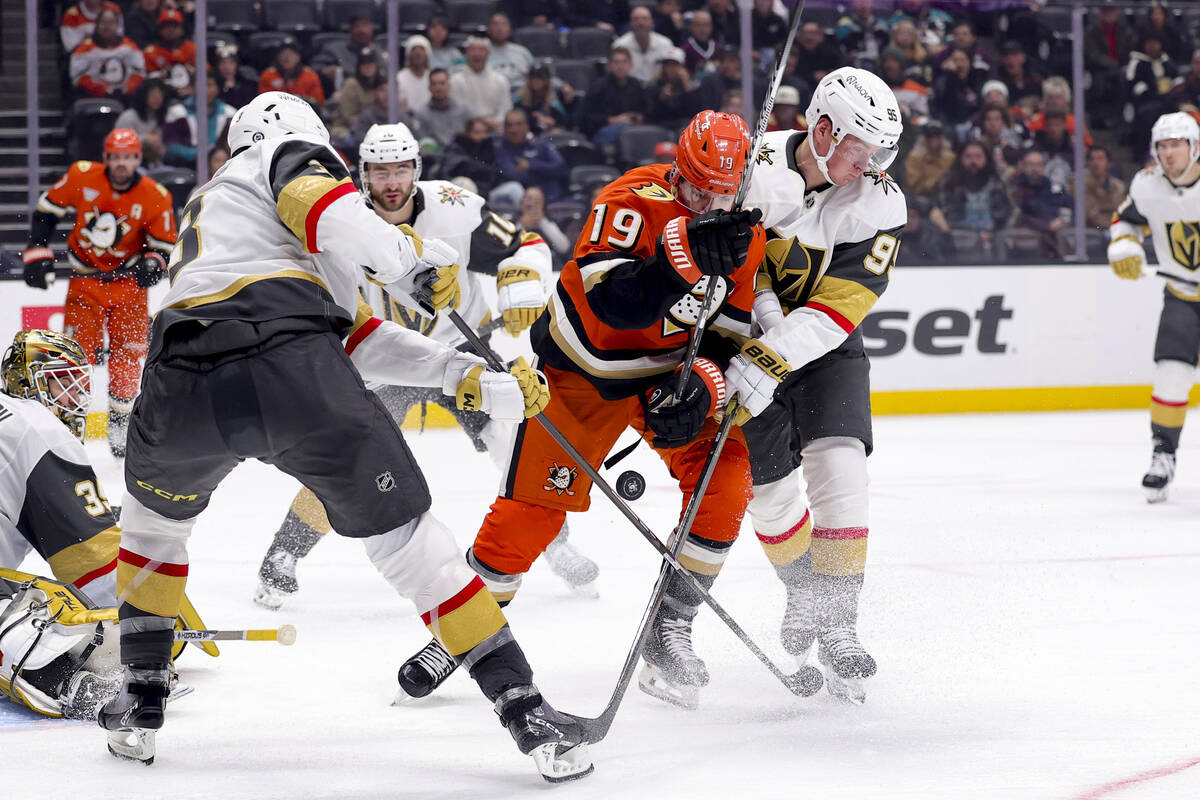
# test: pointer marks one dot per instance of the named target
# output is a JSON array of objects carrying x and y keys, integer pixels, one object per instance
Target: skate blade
[
  {"x": 654, "y": 682},
  {"x": 180, "y": 690},
  {"x": 132, "y": 744},
  {"x": 848, "y": 689},
  {"x": 1155, "y": 495},
  {"x": 559, "y": 766},
  {"x": 268, "y": 597}
]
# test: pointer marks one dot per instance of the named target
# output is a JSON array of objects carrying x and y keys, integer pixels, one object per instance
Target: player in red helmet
[
  {"x": 124, "y": 230},
  {"x": 709, "y": 161}
]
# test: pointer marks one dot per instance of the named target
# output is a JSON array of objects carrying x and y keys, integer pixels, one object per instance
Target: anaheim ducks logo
[
  {"x": 102, "y": 230},
  {"x": 560, "y": 479},
  {"x": 686, "y": 311},
  {"x": 1185, "y": 243},
  {"x": 790, "y": 265},
  {"x": 652, "y": 191}
]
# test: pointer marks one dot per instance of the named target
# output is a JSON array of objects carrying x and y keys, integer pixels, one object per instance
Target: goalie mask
[
  {"x": 1176, "y": 125},
  {"x": 51, "y": 368},
  {"x": 858, "y": 103},
  {"x": 388, "y": 144}
]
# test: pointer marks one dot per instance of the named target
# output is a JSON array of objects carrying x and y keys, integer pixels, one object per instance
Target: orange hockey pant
[
  {"x": 543, "y": 483},
  {"x": 91, "y": 303}
]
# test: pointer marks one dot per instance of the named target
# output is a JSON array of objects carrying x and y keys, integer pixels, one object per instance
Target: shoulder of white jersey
[
  {"x": 775, "y": 186},
  {"x": 266, "y": 149},
  {"x": 1148, "y": 182},
  {"x": 875, "y": 200},
  {"x": 28, "y": 429}
]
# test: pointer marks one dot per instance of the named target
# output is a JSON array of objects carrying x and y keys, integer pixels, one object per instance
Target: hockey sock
[
  {"x": 837, "y": 600},
  {"x": 295, "y": 536},
  {"x": 501, "y": 666},
  {"x": 146, "y": 639},
  {"x": 311, "y": 512}
]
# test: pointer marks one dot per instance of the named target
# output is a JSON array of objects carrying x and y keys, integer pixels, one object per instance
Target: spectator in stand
[
  {"x": 172, "y": 58},
  {"x": 785, "y": 115},
  {"x": 767, "y": 28},
  {"x": 217, "y": 157},
  {"x": 931, "y": 25},
  {"x": 413, "y": 80},
  {"x": 972, "y": 196},
  {"x": 529, "y": 161},
  {"x": 539, "y": 13},
  {"x": 928, "y": 161},
  {"x": 924, "y": 243},
  {"x": 533, "y": 218},
  {"x": 613, "y": 103},
  {"x": 911, "y": 95},
  {"x": 906, "y": 39},
  {"x": 1149, "y": 77},
  {"x": 816, "y": 57},
  {"x": 727, "y": 27},
  {"x": 1107, "y": 43},
  {"x": 673, "y": 97},
  {"x": 1102, "y": 190},
  {"x": 141, "y": 22},
  {"x": 288, "y": 74},
  {"x": 607, "y": 14},
  {"x": 1003, "y": 137},
  {"x": 338, "y": 59},
  {"x": 861, "y": 34},
  {"x": 1186, "y": 92},
  {"x": 442, "y": 55},
  {"x": 238, "y": 83},
  {"x": 79, "y": 22},
  {"x": 669, "y": 21},
  {"x": 1023, "y": 82},
  {"x": 1039, "y": 207},
  {"x": 956, "y": 89},
  {"x": 1056, "y": 97},
  {"x": 962, "y": 37},
  {"x": 1176, "y": 42},
  {"x": 147, "y": 117},
  {"x": 731, "y": 103},
  {"x": 442, "y": 117},
  {"x": 700, "y": 48},
  {"x": 546, "y": 108},
  {"x": 645, "y": 47},
  {"x": 356, "y": 95},
  {"x": 716, "y": 85},
  {"x": 1056, "y": 144},
  {"x": 179, "y": 134},
  {"x": 664, "y": 153},
  {"x": 510, "y": 59},
  {"x": 377, "y": 114},
  {"x": 472, "y": 155},
  {"x": 483, "y": 90},
  {"x": 107, "y": 64}
]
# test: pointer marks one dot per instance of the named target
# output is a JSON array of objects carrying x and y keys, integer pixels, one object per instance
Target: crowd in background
[{"x": 538, "y": 103}]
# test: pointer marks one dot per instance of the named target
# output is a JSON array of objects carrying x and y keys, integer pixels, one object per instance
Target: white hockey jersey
[
  {"x": 1171, "y": 215},
  {"x": 829, "y": 252},
  {"x": 52, "y": 503},
  {"x": 486, "y": 243}
]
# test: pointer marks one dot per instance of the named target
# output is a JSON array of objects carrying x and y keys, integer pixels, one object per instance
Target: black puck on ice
[{"x": 631, "y": 485}]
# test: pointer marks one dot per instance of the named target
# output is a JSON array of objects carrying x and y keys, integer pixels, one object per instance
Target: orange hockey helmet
[
  {"x": 712, "y": 152},
  {"x": 122, "y": 140}
]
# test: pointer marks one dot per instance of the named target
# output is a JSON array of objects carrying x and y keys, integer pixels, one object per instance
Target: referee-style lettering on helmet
[
  {"x": 858, "y": 103},
  {"x": 1176, "y": 125},
  {"x": 270, "y": 115},
  {"x": 387, "y": 144}
]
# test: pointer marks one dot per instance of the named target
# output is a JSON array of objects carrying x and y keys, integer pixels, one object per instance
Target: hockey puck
[
  {"x": 631, "y": 485},
  {"x": 806, "y": 682}
]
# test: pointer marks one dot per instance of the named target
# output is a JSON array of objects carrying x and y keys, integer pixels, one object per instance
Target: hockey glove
[
  {"x": 676, "y": 423},
  {"x": 39, "y": 262},
  {"x": 713, "y": 243},
  {"x": 505, "y": 397},
  {"x": 149, "y": 269},
  {"x": 1126, "y": 256},
  {"x": 753, "y": 376},
  {"x": 519, "y": 297}
]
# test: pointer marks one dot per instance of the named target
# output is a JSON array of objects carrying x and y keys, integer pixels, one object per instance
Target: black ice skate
[
  {"x": 556, "y": 742},
  {"x": 425, "y": 671},
  {"x": 118, "y": 430},
  {"x": 577, "y": 570},
  {"x": 276, "y": 579},
  {"x": 846, "y": 663},
  {"x": 86, "y": 692},
  {"x": 1159, "y": 476},
  {"x": 136, "y": 713},
  {"x": 672, "y": 670},
  {"x": 799, "y": 628}
]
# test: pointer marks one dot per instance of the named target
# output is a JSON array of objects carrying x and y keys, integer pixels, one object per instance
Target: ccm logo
[
  {"x": 676, "y": 252},
  {"x": 942, "y": 332},
  {"x": 175, "y": 498}
]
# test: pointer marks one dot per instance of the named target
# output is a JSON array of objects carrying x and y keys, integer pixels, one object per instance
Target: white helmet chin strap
[{"x": 822, "y": 160}]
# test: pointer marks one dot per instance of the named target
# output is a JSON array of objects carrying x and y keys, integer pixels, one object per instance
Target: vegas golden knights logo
[
  {"x": 1185, "y": 243},
  {"x": 411, "y": 319},
  {"x": 791, "y": 263}
]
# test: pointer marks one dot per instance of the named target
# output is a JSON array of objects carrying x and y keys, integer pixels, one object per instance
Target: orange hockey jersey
[
  {"x": 111, "y": 227},
  {"x": 77, "y": 24},
  {"x": 620, "y": 316}
]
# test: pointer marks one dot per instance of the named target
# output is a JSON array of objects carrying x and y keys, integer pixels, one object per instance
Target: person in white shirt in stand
[
  {"x": 413, "y": 81},
  {"x": 479, "y": 87},
  {"x": 510, "y": 59},
  {"x": 646, "y": 47}
]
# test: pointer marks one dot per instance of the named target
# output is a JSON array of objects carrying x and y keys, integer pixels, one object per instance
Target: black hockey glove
[
  {"x": 677, "y": 423},
  {"x": 39, "y": 262},
  {"x": 713, "y": 243},
  {"x": 149, "y": 269}
]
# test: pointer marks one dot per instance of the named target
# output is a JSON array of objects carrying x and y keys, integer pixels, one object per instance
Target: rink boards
[{"x": 942, "y": 339}]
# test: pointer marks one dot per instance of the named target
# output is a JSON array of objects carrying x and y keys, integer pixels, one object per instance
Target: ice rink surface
[{"x": 1034, "y": 620}]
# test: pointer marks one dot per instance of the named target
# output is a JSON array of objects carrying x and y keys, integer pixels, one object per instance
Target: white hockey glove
[
  {"x": 752, "y": 378},
  {"x": 408, "y": 256},
  {"x": 505, "y": 397},
  {"x": 767, "y": 310},
  {"x": 520, "y": 297},
  {"x": 1126, "y": 256},
  {"x": 431, "y": 284}
]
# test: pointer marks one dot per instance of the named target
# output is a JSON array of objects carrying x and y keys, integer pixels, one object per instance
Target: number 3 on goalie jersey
[
  {"x": 626, "y": 226},
  {"x": 187, "y": 247},
  {"x": 882, "y": 255},
  {"x": 95, "y": 502}
]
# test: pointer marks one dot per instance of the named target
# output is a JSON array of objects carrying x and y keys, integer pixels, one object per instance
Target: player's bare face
[
  {"x": 1175, "y": 156},
  {"x": 121, "y": 168},
  {"x": 391, "y": 184},
  {"x": 698, "y": 201}
]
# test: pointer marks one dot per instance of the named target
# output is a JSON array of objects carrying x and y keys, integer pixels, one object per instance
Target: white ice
[{"x": 1034, "y": 620}]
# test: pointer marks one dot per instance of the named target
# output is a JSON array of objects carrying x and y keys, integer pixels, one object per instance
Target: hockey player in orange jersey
[
  {"x": 611, "y": 342},
  {"x": 124, "y": 230}
]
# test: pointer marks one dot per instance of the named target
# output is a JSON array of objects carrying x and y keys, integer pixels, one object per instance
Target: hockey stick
[
  {"x": 284, "y": 634},
  {"x": 1159, "y": 273},
  {"x": 799, "y": 683}
]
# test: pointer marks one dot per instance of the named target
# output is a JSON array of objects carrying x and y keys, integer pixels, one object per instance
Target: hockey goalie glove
[
  {"x": 39, "y": 262},
  {"x": 505, "y": 397},
  {"x": 520, "y": 297},
  {"x": 149, "y": 268},
  {"x": 712, "y": 243},
  {"x": 1126, "y": 257},
  {"x": 753, "y": 376},
  {"x": 676, "y": 423}
]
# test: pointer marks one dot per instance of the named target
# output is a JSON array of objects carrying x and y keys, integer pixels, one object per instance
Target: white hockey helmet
[
  {"x": 857, "y": 102},
  {"x": 387, "y": 144},
  {"x": 270, "y": 115},
  {"x": 1176, "y": 125}
]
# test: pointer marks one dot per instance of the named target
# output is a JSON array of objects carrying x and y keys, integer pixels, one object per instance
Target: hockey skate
[
  {"x": 276, "y": 579},
  {"x": 134, "y": 716},
  {"x": 799, "y": 627},
  {"x": 577, "y": 570},
  {"x": 672, "y": 671},
  {"x": 87, "y": 692},
  {"x": 425, "y": 671},
  {"x": 845, "y": 662},
  {"x": 1159, "y": 476},
  {"x": 556, "y": 742}
]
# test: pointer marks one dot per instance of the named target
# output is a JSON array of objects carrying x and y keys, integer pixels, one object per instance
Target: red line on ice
[{"x": 1141, "y": 777}]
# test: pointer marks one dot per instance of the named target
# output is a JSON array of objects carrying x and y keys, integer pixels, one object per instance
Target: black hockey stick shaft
[{"x": 1176, "y": 278}]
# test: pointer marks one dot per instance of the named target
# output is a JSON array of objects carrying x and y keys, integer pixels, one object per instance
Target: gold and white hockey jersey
[
  {"x": 829, "y": 252},
  {"x": 1171, "y": 215}
]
